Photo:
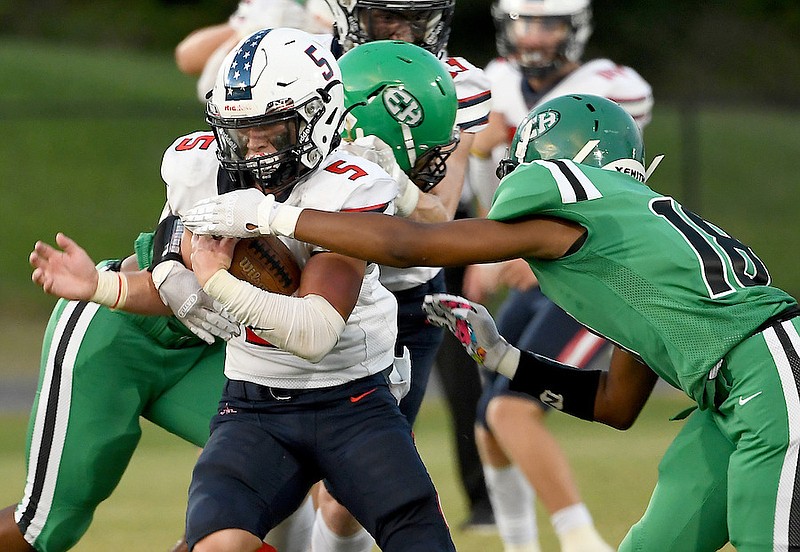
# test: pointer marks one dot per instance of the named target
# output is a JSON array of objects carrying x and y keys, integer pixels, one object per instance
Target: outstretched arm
[
  {"x": 397, "y": 242},
  {"x": 70, "y": 273},
  {"x": 384, "y": 239}
]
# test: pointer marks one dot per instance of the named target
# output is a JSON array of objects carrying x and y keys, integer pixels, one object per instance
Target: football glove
[
  {"x": 475, "y": 328},
  {"x": 241, "y": 214},
  {"x": 181, "y": 292},
  {"x": 231, "y": 215}
]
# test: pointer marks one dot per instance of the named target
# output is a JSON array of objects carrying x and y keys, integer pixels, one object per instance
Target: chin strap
[
  {"x": 653, "y": 165},
  {"x": 591, "y": 144},
  {"x": 588, "y": 147}
]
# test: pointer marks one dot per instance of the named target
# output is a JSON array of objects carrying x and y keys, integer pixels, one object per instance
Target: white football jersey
[
  {"x": 601, "y": 77},
  {"x": 344, "y": 182},
  {"x": 474, "y": 92}
]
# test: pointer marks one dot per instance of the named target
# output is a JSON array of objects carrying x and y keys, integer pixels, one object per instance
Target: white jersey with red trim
[
  {"x": 474, "y": 92},
  {"x": 344, "y": 182},
  {"x": 601, "y": 77}
]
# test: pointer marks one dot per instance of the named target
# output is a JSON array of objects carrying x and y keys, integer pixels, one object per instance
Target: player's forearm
[
  {"x": 308, "y": 326},
  {"x": 563, "y": 387},
  {"x": 142, "y": 297},
  {"x": 394, "y": 241},
  {"x": 623, "y": 390},
  {"x": 614, "y": 398},
  {"x": 193, "y": 51}
]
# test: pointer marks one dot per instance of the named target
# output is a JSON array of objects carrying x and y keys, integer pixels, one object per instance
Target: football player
[
  {"x": 541, "y": 44},
  {"x": 427, "y": 23},
  {"x": 400, "y": 97},
  {"x": 306, "y": 395},
  {"x": 103, "y": 367},
  {"x": 679, "y": 297}
]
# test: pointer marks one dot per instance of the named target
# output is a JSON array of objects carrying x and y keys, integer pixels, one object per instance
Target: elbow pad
[{"x": 308, "y": 327}]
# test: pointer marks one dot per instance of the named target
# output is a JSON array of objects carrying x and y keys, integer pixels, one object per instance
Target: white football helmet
[
  {"x": 430, "y": 20},
  {"x": 510, "y": 15},
  {"x": 276, "y": 108}
]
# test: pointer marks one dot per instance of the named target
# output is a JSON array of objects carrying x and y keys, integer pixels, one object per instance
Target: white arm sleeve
[
  {"x": 308, "y": 327},
  {"x": 483, "y": 179}
]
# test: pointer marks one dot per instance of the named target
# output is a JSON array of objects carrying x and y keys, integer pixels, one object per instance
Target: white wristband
[
  {"x": 112, "y": 289},
  {"x": 406, "y": 202},
  {"x": 509, "y": 363},
  {"x": 282, "y": 218}
]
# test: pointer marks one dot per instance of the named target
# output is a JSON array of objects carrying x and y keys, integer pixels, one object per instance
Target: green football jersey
[
  {"x": 168, "y": 331},
  {"x": 651, "y": 276}
]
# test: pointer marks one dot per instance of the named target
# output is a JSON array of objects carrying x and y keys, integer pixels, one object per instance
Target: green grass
[
  {"x": 615, "y": 470},
  {"x": 85, "y": 131}
]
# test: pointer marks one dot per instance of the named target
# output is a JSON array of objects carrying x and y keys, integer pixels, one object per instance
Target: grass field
[
  {"x": 84, "y": 133},
  {"x": 616, "y": 472}
]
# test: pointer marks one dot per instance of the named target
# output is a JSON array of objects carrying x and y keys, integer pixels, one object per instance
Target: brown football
[{"x": 266, "y": 263}]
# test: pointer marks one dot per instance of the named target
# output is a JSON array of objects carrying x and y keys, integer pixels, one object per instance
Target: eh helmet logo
[
  {"x": 403, "y": 106},
  {"x": 533, "y": 129}
]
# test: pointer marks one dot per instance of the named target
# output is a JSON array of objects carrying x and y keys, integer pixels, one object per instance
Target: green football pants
[
  {"x": 100, "y": 371},
  {"x": 731, "y": 473}
]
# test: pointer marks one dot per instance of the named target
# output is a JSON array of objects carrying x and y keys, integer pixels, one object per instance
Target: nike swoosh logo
[
  {"x": 744, "y": 400},
  {"x": 357, "y": 398}
]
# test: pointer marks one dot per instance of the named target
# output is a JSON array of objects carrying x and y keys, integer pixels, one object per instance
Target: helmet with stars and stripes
[{"x": 276, "y": 108}]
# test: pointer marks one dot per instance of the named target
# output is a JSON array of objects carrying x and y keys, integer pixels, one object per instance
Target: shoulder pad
[
  {"x": 189, "y": 169},
  {"x": 346, "y": 182},
  {"x": 531, "y": 188},
  {"x": 615, "y": 82}
]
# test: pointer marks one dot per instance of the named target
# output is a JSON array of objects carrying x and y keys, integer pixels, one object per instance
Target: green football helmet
[
  {"x": 586, "y": 129},
  {"x": 404, "y": 95}
]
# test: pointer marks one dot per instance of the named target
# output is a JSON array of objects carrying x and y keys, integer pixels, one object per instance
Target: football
[{"x": 266, "y": 263}]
